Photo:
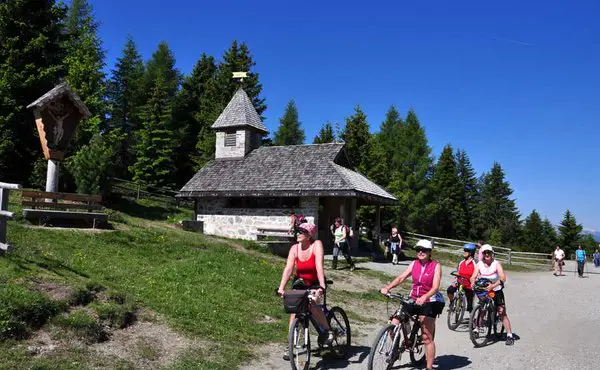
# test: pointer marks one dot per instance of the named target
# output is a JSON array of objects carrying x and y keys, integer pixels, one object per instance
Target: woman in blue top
[{"x": 580, "y": 254}]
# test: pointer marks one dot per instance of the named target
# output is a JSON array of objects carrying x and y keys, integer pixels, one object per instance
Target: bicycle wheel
[
  {"x": 384, "y": 351},
  {"x": 417, "y": 351},
  {"x": 457, "y": 311},
  {"x": 479, "y": 326},
  {"x": 299, "y": 344},
  {"x": 339, "y": 324}
]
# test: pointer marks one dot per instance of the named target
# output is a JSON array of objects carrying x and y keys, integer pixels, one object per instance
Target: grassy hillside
[{"x": 206, "y": 289}]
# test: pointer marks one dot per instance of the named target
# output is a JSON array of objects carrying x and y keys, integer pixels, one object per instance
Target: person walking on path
[
  {"x": 580, "y": 256},
  {"x": 596, "y": 258},
  {"x": 341, "y": 234},
  {"x": 559, "y": 256},
  {"x": 395, "y": 241}
]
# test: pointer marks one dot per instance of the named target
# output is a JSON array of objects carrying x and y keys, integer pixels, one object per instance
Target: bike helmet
[
  {"x": 481, "y": 284},
  {"x": 470, "y": 247}
]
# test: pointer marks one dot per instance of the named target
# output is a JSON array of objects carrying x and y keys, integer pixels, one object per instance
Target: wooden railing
[{"x": 503, "y": 254}]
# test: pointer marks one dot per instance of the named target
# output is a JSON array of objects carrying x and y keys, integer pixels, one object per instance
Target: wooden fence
[
  {"x": 140, "y": 191},
  {"x": 503, "y": 254}
]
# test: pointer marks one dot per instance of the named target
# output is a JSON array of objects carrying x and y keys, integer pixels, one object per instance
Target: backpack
[{"x": 349, "y": 232}]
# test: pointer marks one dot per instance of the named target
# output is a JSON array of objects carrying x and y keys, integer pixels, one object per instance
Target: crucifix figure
[{"x": 58, "y": 112}]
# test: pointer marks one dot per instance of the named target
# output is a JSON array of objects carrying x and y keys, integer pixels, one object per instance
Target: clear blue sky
[{"x": 509, "y": 81}]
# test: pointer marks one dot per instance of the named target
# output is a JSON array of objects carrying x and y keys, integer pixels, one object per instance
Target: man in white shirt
[{"x": 559, "y": 256}]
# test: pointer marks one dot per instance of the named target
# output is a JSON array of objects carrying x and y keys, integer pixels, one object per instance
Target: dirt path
[{"x": 557, "y": 320}]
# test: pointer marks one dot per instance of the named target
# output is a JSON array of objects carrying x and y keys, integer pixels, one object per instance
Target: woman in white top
[{"x": 492, "y": 270}]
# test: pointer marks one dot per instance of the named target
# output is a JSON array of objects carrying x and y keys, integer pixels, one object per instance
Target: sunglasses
[
  {"x": 423, "y": 250},
  {"x": 487, "y": 253},
  {"x": 302, "y": 231}
]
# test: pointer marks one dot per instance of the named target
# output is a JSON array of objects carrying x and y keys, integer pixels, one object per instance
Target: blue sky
[{"x": 508, "y": 81}]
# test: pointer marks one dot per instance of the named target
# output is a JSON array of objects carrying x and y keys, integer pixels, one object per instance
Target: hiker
[
  {"x": 596, "y": 258},
  {"x": 580, "y": 256},
  {"x": 342, "y": 235},
  {"x": 559, "y": 256},
  {"x": 395, "y": 242}
]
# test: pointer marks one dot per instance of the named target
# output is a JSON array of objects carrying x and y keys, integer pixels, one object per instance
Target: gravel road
[{"x": 556, "y": 319}]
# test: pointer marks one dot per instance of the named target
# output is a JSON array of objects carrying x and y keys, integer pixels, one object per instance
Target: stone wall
[
  {"x": 237, "y": 151},
  {"x": 242, "y": 223}
]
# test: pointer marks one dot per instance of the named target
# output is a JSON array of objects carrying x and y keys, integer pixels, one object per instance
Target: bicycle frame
[{"x": 402, "y": 315}]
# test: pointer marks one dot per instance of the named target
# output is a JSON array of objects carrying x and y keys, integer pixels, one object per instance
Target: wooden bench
[
  {"x": 274, "y": 231},
  {"x": 45, "y": 206}
]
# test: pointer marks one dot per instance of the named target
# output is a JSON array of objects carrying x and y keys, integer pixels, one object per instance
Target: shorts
[
  {"x": 499, "y": 298},
  {"x": 428, "y": 309}
]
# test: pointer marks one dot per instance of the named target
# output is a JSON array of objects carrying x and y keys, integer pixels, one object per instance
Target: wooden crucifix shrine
[
  {"x": 4, "y": 213},
  {"x": 57, "y": 114}
]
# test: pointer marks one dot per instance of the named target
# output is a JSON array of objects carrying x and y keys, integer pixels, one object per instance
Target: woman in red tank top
[{"x": 307, "y": 257}]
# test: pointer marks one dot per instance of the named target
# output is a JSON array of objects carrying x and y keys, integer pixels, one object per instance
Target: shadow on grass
[
  {"x": 45, "y": 263},
  {"x": 151, "y": 212}
]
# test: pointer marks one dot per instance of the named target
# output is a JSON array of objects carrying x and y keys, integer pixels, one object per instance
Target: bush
[
  {"x": 22, "y": 310},
  {"x": 83, "y": 325}
]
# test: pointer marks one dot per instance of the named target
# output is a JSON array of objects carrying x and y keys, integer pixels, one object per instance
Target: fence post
[
  {"x": 3, "y": 207},
  {"x": 509, "y": 257},
  {"x": 138, "y": 192}
]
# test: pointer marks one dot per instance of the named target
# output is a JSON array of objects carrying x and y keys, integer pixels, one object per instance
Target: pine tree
[
  {"x": 190, "y": 111},
  {"x": 390, "y": 136},
  {"x": 450, "y": 217},
  {"x": 468, "y": 181},
  {"x": 221, "y": 89},
  {"x": 31, "y": 55},
  {"x": 84, "y": 64},
  {"x": 126, "y": 98},
  {"x": 92, "y": 166},
  {"x": 410, "y": 182},
  {"x": 534, "y": 234},
  {"x": 289, "y": 131},
  {"x": 356, "y": 136},
  {"x": 570, "y": 232},
  {"x": 497, "y": 209},
  {"x": 162, "y": 64},
  {"x": 549, "y": 231},
  {"x": 154, "y": 148},
  {"x": 325, "y": 135}
]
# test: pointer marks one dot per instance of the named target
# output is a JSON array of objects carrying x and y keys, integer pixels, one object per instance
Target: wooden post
[
  {"x": 509, "y": 259},
  {"x": 4, "y": 213},
  {"x": 378, "y": 224}
]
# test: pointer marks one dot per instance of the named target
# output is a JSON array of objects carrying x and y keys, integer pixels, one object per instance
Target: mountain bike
[
  {"x": 393, "y": 340},
  {"x": 485, "y": 323},
  {"x": 299, "y": 347},
  {"x": 458, "y": 306}
]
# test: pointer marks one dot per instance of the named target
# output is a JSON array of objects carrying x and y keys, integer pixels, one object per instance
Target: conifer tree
[
  {"x": 31, "y": 56},
  {"x": 533, "y": 234},
  {"x": 162, "y": 64},
  {"x": 154, "y": 148},
  {"x": 325, "y": 135},
  {"x": 468, "y": 181},
  {"x": 356, "y": 136},
  {"x": 190, "y": 112},
  {"x": 126, "y": 98},
  {"x": 497, "y": 209},
  {"x": 449, "y": 198},
  {"x": 289, "y": 131},
  {"x": 570, "y": 232},
  {"x": 550, "y": 236},
  {"x": 410, "y": 183},
  {"x": 84, "y": 65}
]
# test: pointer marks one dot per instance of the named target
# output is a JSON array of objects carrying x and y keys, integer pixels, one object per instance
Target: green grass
[{"x": 202, "y": 286}]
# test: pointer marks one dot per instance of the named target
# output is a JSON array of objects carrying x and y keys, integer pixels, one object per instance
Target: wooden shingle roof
[
  {"x": 296, "y": 170},
  {"x": 239, "y": 113},
  {"x": 56, "y": 92}
]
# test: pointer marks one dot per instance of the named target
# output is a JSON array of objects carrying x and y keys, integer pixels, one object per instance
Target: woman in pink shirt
[{"x": 429, "y": 303}]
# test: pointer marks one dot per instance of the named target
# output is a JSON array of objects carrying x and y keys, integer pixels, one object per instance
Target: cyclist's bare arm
[
  {"x": 399, "y": 279},
  {"x": 287, "y": 271},
  {"x": 475, "y": 274},
  {"x": 319, "y": 257}
]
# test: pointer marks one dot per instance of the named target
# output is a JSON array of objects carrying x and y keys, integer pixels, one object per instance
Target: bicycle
[
  {"x": 458, "y": 306},
  {"x": 388, "y": 346},
  {"x": 299, "y": 337},
  {"x": 484, "y": 318}
]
